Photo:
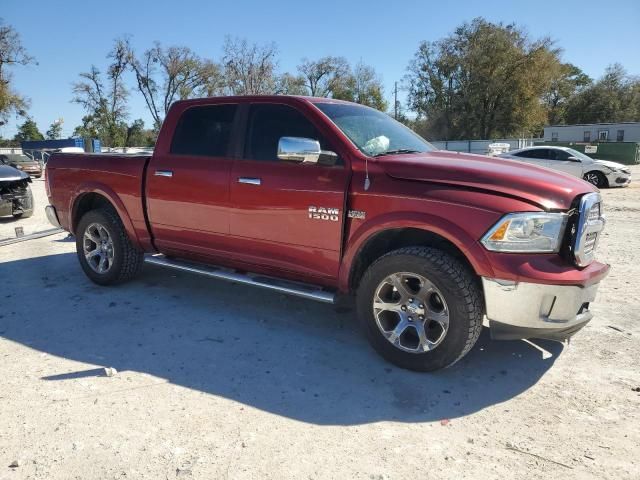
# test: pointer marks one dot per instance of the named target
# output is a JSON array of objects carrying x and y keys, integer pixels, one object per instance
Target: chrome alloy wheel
[
  {"x": 592, "y": 178},
  {"x": 411, "y": 312},
  {"x": 98, "y": 248}
]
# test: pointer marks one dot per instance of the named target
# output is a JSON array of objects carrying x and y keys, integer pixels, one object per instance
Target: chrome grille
[
  {"x": 594, "y": 213},
  {"x": 590, "y": 224}
]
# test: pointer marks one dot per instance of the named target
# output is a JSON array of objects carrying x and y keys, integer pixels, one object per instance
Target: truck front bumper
[{"x": 518, "y": 310}]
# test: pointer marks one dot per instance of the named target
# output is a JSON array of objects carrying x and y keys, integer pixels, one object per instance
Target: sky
[{"x": 66, "y": 38}]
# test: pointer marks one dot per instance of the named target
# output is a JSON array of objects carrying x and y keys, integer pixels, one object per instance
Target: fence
[
  {"x": 11, "y": 151},
  {"x": 480, "y": 146}
]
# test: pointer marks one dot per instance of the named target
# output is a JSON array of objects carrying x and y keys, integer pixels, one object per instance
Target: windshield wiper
[{"x": 394, "y": 152}]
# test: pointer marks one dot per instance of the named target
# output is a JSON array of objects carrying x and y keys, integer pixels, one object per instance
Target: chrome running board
[{"x": 297, "y": 289}]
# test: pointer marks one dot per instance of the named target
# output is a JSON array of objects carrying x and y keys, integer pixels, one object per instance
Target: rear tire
[
  {"x": 435, "y": 316},
  {"x": 104, "y": 249},
  {"x": 597, "y": 179}
]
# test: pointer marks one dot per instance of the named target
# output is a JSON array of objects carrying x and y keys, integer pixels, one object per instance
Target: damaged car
[{"x": 16, "y": 198}]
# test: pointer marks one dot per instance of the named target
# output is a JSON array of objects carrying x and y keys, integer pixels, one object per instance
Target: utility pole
[{"x": 395, "y": 101}]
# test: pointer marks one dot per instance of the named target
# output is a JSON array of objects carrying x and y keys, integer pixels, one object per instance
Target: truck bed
[{"x": 72, "y": 175}]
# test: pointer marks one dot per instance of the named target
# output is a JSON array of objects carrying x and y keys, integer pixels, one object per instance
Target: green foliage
[
  {"x": 11, "y": 53},
  {"x": 362, "y": 86},
  {"x": 28, "y": 131},
  {"x": 55, "y": 130},
  {"x": 568, "y": 80},
  {"x": 613, "y": 98},
  {"x": 287, "y": 84},
  {"x": 138, "y": 136},
  {"x": 483, "y": 81}
]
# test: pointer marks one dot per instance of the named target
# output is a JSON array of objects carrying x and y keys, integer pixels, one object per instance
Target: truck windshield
[{"x": 373, "y": 132}]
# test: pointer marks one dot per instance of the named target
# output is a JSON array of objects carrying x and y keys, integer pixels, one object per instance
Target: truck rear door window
[{"x": 204, "y": 131}]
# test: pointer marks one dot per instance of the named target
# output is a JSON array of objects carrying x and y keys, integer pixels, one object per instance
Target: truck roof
[{"x": 253, "y": 98}]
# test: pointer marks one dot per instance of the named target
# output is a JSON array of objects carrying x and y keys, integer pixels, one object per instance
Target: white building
[{"x": 593, "y": 132}]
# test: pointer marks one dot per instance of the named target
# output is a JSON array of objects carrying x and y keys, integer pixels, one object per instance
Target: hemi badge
[{"x": 356, "y": 214}]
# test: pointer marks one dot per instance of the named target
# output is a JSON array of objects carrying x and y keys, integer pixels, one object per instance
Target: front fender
[
  {"x": 113, "y": 198},
  {"x": 469, "y": 246}
]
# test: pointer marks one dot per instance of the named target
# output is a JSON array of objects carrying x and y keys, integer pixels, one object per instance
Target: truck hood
[
  {"x": 8, "y": 174},
  {"x": 543, "y": 187}
]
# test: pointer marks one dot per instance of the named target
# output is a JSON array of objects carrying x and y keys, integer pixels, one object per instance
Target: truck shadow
[{"x": 287, "y": 356}]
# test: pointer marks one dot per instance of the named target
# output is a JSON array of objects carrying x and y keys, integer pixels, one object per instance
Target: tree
[
  {"x": 55, "y": 130},
  {"x": 287, "y": 84},
  {"x": 167, "y": 74},
  {"x": 249, "y": 69},
  {"x": 613, "y": 98},
  {"x": 138, "y": 136},
  {"x": 11, "y": 53},
  {"x": 324, "y": 76},
  {"x": 28, "y": 131},
  {"x": 567, "y": 82},
  {"x": 104, "y": 99},
  {"x": 362, "y": 86},
  {"x": 484, "y": 80}
]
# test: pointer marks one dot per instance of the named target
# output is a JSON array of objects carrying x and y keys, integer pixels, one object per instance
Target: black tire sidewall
[
  {"x": 451, "y": 347},
  {"x": 113, "y": 228}
]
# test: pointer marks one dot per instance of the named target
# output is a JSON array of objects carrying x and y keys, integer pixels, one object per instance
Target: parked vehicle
[
  {"x": 15, "y": 194},
  {"x": 494, "y": 149},
  {"x": 601, "y": 173},
  {"x": 325, "y": 199},
  {"x": 23, "y": 163}
]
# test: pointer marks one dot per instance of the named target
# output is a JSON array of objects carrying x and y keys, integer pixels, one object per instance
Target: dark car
[
  {"x": 16, "y": 197},
  {"x": 22, "y": 162}
]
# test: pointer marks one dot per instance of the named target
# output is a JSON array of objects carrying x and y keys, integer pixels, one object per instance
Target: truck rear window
[{"x": 204, "y": 131}]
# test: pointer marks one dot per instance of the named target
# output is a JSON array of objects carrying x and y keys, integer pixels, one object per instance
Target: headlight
[{"x": 527, "y": 232}]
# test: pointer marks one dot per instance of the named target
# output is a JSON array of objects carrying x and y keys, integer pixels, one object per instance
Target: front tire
[
  {"x": 597, "y": 179},
  {"x": 421, "y": 308},
  {"x": 104, "y": 249}
]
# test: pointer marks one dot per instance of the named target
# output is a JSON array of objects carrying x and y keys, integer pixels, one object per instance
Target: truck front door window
[{"x": 268, "y": 123}]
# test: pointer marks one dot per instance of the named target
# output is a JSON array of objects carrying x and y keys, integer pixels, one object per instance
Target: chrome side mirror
[
  {"x": 298, "y": 149},
  {"x": 574, "y": 159},
  {"x": 305, "y": 150}
]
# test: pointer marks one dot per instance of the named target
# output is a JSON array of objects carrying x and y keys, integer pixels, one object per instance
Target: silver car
[{"x": 601, "y": 173}]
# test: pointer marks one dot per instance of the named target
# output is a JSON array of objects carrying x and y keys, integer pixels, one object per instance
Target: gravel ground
[{"x": 221, "y": 381}]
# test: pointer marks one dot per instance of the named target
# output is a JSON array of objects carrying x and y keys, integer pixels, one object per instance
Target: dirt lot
[{"x": 221, "y": 381}]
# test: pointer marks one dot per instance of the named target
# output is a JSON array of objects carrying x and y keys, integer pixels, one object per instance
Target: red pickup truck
[{"x": 326, "y": 199}]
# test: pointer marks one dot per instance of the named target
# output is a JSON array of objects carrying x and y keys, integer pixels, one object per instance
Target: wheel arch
[
  {"x": 91, "y": 198},
  {"x": 374, "y": 244}
]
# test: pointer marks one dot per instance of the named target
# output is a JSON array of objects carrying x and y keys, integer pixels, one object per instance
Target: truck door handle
[
  {"x": 163, "y": 173},
  {"x": 249, "y": 180}
]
